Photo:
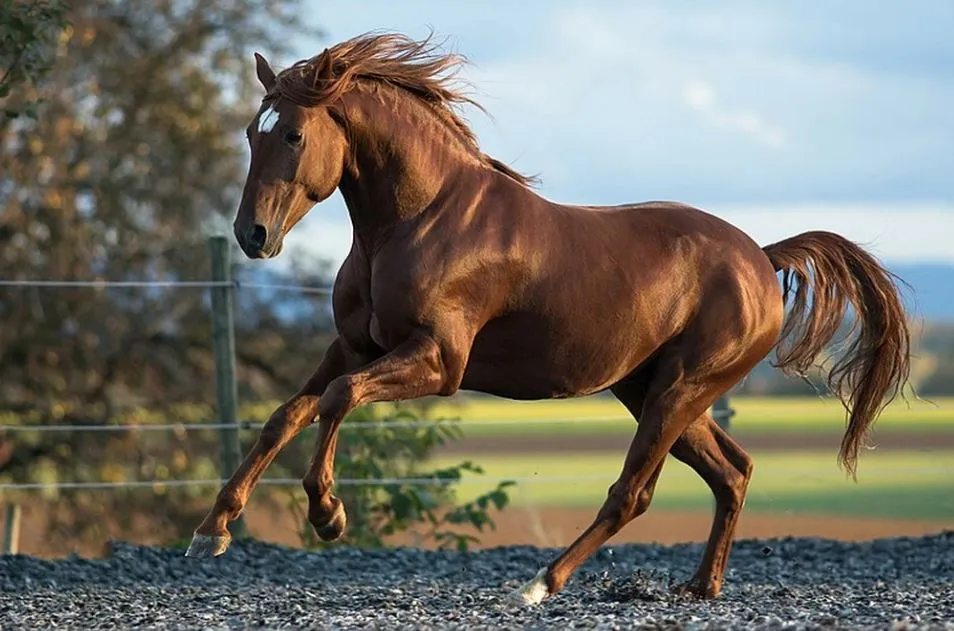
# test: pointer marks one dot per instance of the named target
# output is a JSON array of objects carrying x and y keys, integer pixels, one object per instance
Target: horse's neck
[{"x": 402, "y": 157}]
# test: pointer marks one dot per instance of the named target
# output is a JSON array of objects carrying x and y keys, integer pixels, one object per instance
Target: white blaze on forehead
[{"x": 268, "y": 120}]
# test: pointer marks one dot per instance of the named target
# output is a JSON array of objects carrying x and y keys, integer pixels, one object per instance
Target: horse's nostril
[{"x": 258, "y": 236}]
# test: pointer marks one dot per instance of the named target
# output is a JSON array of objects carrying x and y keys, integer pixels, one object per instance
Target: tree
[
  {"x": 28, "y": 38},
  {"x": 134, "y": 155}
]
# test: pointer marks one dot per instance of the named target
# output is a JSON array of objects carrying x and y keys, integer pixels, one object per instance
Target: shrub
[{"x": 410, "y": 498}]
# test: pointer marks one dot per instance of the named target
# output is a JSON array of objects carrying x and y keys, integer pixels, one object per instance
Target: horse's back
[{"x": 666, "y": 220}]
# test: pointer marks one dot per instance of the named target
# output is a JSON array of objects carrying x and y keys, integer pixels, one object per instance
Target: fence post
[
  {"x": 722, "y": 412},
  {"x": 11, "y": 529},
  {"x": 223, "y": 346}
]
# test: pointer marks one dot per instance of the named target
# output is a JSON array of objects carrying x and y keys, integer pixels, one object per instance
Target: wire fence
[
  {"x": 229, "y": 427},
  {"x": 102, "y": 284},
  {"x": 252, "y": 425},
  {"x": 354, "y": 425},
  {"x": 178, "y": 284},
  {"x": 409, "y": 481}
]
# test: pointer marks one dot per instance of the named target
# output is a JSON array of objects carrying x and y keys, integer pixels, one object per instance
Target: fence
[{"x": 222, "y": 287}]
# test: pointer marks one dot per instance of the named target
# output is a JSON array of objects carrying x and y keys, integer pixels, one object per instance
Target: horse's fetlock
[
  {"x": 229, "y": 503},
  {"x": 312, "y": 489}
]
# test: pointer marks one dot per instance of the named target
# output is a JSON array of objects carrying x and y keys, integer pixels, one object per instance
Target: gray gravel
[{"x": 903, "y": 583}]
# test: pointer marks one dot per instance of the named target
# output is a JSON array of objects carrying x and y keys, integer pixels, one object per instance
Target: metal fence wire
[{"x": 222, "y": 286}]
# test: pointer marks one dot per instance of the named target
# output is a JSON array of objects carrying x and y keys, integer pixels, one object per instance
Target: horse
[{"x": 461, "y": 276}]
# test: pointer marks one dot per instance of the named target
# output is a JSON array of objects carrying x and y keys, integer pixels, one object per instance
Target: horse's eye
[{"x": 293, "y": 137}]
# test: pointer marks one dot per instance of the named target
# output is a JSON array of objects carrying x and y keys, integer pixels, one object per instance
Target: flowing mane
[{"x": 417, "y": 67}]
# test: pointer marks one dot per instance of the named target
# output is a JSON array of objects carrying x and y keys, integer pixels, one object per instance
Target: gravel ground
[{"x": 903, "y": 583}]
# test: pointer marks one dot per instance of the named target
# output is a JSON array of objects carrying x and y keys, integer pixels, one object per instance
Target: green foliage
[
  {"x": 28, "y": 37},
  {"x": 410, "y": 499},
  {"x": 136, "y": 155}
]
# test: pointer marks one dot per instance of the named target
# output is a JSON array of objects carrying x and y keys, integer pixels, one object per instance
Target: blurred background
[{"x": 123, "y": 152}]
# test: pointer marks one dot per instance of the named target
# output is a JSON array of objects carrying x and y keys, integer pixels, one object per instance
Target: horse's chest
[
  {"x": 398, "y": 305},
  {"x": 376, "y": 334},
  {"x": 387, "y": 333}
]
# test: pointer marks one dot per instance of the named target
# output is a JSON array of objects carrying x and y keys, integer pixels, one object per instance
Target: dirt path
[
  {"x": 517, "y": 525},
  {"x": 559, "y": 526},
  {"x": 563, "y": 443}
]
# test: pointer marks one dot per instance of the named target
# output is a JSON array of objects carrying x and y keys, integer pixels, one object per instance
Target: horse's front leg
[
  {"x": 212, "y": 537},
  {"x": 417, "y": 367}
]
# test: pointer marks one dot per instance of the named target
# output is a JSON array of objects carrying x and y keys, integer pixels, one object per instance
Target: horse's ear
[
  {"x": 265, "y": 73},
  {"x": 324, "y": 69}
]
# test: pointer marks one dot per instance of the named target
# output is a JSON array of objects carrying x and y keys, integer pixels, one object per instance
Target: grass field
[
  {"x": 903, "y": 485},
  {"x": 490, "y": 416}
]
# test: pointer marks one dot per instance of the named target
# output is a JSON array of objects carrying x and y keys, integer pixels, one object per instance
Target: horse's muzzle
[{"x": 257, "y": 242}]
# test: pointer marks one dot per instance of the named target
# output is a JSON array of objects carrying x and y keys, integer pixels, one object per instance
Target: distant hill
[{"x": 933, "y": 290}]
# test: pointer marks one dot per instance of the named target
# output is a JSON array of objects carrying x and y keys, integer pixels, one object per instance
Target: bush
[{"x": 409, "y": 499}]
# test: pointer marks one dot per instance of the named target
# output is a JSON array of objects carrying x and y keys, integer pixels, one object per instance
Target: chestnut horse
[{"x": 461, "y": 277}]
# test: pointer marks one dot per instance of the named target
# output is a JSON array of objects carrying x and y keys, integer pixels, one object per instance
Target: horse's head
[{"x": 297, "y": 160}]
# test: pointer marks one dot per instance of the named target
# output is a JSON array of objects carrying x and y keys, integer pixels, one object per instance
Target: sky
[{"x": 780, "y": 117}]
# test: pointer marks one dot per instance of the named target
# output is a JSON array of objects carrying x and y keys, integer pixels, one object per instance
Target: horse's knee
[
  {"x": 286, "y": 421},
  {"x": 338, "y": 399},
  {"x": 274, "y": 430}
]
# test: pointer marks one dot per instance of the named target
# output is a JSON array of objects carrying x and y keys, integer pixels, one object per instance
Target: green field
[
  {"x": 491, "y": 416},
  {"x": 899, "y": 484}
]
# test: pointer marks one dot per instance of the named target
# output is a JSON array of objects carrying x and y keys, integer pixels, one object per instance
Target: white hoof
[
  {"x": 533, "y": 592},
  {"x": 205, "y": 546}
]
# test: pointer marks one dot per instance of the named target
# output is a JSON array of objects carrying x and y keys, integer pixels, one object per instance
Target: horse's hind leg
[
  {"x": 677, "y": 394},
  {"x": 632, "y": 393},
  {"x": 722, "y": 464},
  {"x": 727, "y": 469}
]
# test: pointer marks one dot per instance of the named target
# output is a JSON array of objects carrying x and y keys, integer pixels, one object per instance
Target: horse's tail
[{"x": 875, "y": 364}]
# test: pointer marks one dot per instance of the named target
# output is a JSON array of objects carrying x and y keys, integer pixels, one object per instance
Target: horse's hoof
[
  {"x": 335, "y": 526},
  {"x": 532, "y": 593},
  {"x": 206, "y": 546}
]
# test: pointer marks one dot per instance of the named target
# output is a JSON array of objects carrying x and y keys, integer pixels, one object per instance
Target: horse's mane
[{"x": 417, "y": 67}]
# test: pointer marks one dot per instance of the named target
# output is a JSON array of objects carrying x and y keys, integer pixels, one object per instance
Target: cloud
[
  {"x": 897, "y": 233},
  {"x": 623, "y": 100},
  {"x": 701, "y": 97},
  {"x": 771, "y": 113}
]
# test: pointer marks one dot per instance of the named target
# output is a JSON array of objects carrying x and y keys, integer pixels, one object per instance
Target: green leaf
[
  {"x": 499, "y": 498},
  {"x": 401, "y": 505},
  {"x": 381, "y": 511}
]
